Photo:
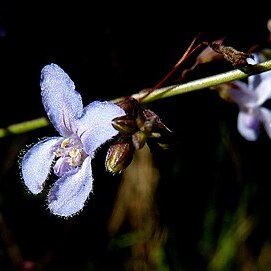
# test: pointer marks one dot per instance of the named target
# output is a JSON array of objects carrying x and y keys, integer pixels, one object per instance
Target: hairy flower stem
[{"x": 157, "y": 94}]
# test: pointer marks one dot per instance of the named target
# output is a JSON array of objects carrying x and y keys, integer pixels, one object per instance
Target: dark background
[{"x": 111, "y": 50}]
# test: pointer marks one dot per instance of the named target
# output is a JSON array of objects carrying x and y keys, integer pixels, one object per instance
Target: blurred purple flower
[
  {"x": 250, "y": 98},
  {"x": 82, "y": 131}
]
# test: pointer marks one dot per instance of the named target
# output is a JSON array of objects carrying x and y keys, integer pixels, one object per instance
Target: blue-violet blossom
[
  {"x": 250, "y": 98},
  {"x": 82, "y": 131}
]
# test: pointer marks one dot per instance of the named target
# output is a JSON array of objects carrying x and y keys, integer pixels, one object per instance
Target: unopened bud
[
  {"x": 154, "y": 119},
  {"x": 125, "y": 124},
  {"x": 119, "y": 155},
  {"x": 147, "y": 128},
  {"x": 129, "y": 105},
  {"x": 155, "y": 135},
  {"x": 139, "y": 139}
]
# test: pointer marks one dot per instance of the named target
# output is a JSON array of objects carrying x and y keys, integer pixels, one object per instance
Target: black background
[{"x": 111, "y": 50}]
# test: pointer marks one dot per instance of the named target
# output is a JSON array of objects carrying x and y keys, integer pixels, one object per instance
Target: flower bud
[
  {"x": 152, "y": 117},
  {"x": 147, "y": 128},
  {"x": 129, "y": 105},
  {"x": 125, "y": 124},
  {"x": 139, "y": 139},
  {"x": 119, "y": 155}
]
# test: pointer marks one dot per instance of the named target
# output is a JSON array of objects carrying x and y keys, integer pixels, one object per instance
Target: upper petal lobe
[{"x": 61, "y": 101}]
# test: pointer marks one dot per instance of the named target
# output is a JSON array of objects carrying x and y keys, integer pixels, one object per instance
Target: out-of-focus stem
[{"x": 22, "y": 127}]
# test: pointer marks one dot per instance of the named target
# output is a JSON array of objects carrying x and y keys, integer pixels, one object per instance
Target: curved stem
[{"x": 157, "y": 94}]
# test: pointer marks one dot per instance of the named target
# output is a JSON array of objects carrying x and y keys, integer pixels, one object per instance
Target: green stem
[
  {"x": 157, "y": 94},
  {"x": 23, "y": 127},
  {"x": 203, "y": 83}
]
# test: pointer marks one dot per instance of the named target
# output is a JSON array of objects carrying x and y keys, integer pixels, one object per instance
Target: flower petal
[
  {"x": 248, "y": 125},
  {"x": 95, "y": 127},
  {"x": 36, "y": 163},
  {"x": 263, "y": 91},
  {"x": 260, "y": 83},
  {"x": 61, "y": 101},
  {"x": 253, "y": 81},
  {"x": 266, "y": 120},
  {"x": 70, "y": 192},
  {"x": 242, "y": 95}
]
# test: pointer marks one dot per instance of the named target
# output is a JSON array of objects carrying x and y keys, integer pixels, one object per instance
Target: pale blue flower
[
  {"x": 82, "y": 130},
  {"x": 250, "y": 97}
]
